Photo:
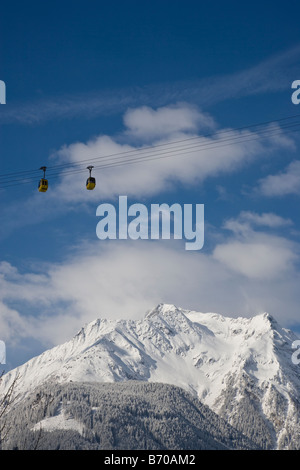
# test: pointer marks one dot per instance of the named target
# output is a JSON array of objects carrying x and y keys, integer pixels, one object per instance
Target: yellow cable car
[
  {"x": 43, "y": 183},
  {"x": 90, "y": 182}
]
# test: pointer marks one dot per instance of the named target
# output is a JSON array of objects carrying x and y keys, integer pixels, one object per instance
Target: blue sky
[{"x": 91, "y": 79}]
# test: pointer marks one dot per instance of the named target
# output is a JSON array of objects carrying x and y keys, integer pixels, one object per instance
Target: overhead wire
[
  {"x": 266, "y": 132},
  {"x": 193, "y": 144},
  {"x": 200, "y": 145},
  {"x": 142, "y": 149},
  {"x": 179, "y": 151},
  {"x": 274, "y": 121},
  {"x": 148, "y": 157}
]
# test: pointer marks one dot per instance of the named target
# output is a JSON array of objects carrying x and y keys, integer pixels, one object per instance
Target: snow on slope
[
  {"x": 200, "y": 352},
  {"x": 60, "y": 421},
  {"x": 172, "y": 345}
]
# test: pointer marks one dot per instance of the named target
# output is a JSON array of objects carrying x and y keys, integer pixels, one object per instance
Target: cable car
[
  {"x": 43, "y": 183},
  {"x": 91, "y": 181}
]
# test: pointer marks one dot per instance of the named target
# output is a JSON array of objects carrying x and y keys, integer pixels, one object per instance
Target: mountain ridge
[{"x": 230, "y": 364}]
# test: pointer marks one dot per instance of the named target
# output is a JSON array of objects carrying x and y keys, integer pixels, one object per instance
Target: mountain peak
[
  {"x": 267, "y": 316},
  {"x": 162, "y": 309},
  {"x": 266, "y": 322}
]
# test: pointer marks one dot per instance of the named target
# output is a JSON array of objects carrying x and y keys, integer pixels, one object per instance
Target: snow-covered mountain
[{"x": 240, "y": 367}]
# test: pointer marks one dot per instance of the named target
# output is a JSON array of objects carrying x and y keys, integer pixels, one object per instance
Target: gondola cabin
[
  {"x": 43, "y": 185},
  {"x": 90, "y": 183}
]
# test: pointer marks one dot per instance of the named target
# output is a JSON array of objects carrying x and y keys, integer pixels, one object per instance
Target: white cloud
[
  {"x": 265, "y": 259},
  {"x": 186, "y": 163},
  {"x": 105, "y": 279},
  {"x": 283, "y": 183},
  {"x": 247, "y": 220},
  {"x": 13, "y": 325},
  {"x": 114, "y": 279},
  {"x": 148, "y": 123},
  {"x": 267, "y": 219},
  {"x": 256, "y": 254}
]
